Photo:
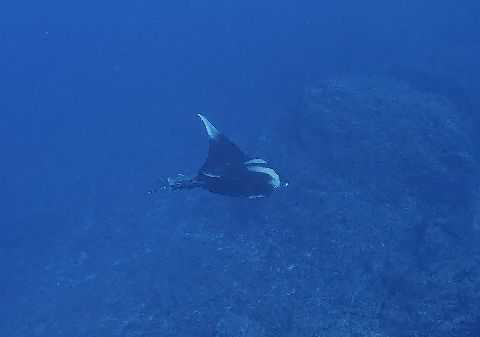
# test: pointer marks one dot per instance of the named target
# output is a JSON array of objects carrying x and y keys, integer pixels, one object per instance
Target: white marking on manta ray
[
  {"x": 275, "y": 179},
  {"x": 211, "y": 175},
  {"x": 212, "y": 131},
  {"x": 258, "y": 196},
  {"x": 255, "y": 161}
]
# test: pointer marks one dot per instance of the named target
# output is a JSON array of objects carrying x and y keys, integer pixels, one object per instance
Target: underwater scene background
[{"x": 368, "y": 109}]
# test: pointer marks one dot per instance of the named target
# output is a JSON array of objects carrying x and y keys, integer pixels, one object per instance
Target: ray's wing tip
[
  {"x": 211, "y": 130},
  {"x": 204, "y": 119}
]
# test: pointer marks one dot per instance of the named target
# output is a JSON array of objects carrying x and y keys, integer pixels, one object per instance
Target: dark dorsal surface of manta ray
[{"x": 229, "y": 171}]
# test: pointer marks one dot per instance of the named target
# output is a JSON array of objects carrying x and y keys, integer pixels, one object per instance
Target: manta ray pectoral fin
[
  {"x": 212, "y": 131},
  {"x": 222, "y": 153}
]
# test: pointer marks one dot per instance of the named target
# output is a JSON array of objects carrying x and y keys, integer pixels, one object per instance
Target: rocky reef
[
  {"x": 397, "y": 177},
  {"x": 374, "y": 236}
]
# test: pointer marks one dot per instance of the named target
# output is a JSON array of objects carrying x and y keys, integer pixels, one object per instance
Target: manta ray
[{"x": 228, "y": 171}]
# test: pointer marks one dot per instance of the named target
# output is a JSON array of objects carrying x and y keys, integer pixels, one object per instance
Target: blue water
[{"x": 369, "y": 109}]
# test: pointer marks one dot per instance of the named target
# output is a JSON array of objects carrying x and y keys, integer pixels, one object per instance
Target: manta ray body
[{"x": 228, "y": 171}]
